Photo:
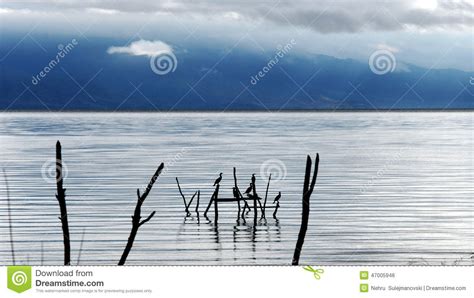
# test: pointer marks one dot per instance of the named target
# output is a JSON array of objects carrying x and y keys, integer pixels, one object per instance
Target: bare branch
[
  {"x": 80, "y": 247},
  {"x": 190, "y": 201},
  {"x": 152, "y": 181},
  {"x": 305, "y": 212},
  {"x": 136, "y": 223},
  {"x": 147, "y": 219},
  {"x": 197, "y": 203},
  {"x": 315, "y": 174},
  {"x": 61, "y": 196},
  {"x": 266, "y": 195},
  {"x": 10, "y": 226},
  {"x": 184, "y": 199}
]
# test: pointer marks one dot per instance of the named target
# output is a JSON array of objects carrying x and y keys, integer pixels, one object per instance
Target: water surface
[{"x": 394, "y": 188}]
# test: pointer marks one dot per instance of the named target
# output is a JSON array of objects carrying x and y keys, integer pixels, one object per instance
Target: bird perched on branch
[
  {"x": 277, "y": 201},
  {"x": 249, "y": 189},
  {"x": 218, "y": 180},
  {"x": 277, "y": 198},
  {"x": 253, "y": 178}
]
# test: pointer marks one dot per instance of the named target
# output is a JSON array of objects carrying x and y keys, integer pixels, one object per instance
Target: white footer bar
[{"x": 237, "y": 281}]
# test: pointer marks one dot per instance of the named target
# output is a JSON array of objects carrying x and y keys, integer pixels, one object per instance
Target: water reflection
[{"x": 236, "y": 237}]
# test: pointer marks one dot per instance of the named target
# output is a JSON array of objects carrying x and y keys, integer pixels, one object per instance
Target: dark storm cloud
[{"x": 321, "y": 16}]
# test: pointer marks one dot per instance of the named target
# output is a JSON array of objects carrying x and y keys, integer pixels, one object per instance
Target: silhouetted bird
[
  {"x": 253, "y": 178},
  {"x": 236, "y": 192},
  {"x": 249, "y": 189},
  {"x": 277, "y": 198},
  {"x": 218, "y": 180}
]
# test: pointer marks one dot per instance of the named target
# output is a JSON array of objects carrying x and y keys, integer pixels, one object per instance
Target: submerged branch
[
  {"x": 9, "y": 214},
  {"x": 80, "y": 247},
  {"x": 61, "y": 197},
  {"x": 266, "y": 195},
  {"x": 184, "y": 198},
  {"x": 307, "y": 191},
  {"x": 136, "y": 223},
  {"x": 197, "y": 203}
]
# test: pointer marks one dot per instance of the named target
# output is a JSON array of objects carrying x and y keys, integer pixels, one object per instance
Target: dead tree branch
[
  {"x": 80, "y": 247},
  {"x": 266, "y": 195},
  {"x": 9, "y": 214},
  {"x": 307, "y": 191},
  {"x": 136, "y": 218},
  {"x": 254, "y": 197},
  {"x": 61, "y": 197},
  {"x": 184, "y": 199},
  {"x": 213, "y": 200},
  {"x": 197, "y": 203},
  {"x": 239, "y": 194},
  {"x": 209, "y": 205},
  {"x": 216, "y": 208},
  {"x": 190, "y": 201}
]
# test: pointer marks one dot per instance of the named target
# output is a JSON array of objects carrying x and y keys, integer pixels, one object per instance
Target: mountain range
[{"x": 216, "y": 78}]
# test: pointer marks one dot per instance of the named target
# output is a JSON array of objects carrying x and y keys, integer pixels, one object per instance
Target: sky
[
  {"x": 428, "y": 33},
  {"x": 236, "y": 54}
]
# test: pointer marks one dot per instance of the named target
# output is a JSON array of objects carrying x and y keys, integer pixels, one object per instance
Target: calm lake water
[{"x": 394, "y": 188}]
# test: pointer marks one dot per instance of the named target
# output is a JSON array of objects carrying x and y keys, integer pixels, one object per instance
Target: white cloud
[
  {"x": 12, "y": 11},
  {"x": 142, "y": 48},
  {"x": 426, "y": 4},
  {"x": 232, "y": 15},
  {"x": 383, "y": 46},
  {"x": 5, "y": 10},
  {"x": 102, "y": 11}
]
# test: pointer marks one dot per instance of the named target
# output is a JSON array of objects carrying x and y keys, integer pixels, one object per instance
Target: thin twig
[
  {"x": 10, "y": 226},
  {"x": 80, "y": 247},
  {"x": 236, "y": 193},
  {"x": 209, "y": 205},
  {"x": 184, "y": 199},
  {"x": 216, "y": 208},
  {"x": 197, "y": 203},
  {"x": 42, "y": 254},
  {"x": 190, "y": 201},
  {"x": 266, "y": 195}
]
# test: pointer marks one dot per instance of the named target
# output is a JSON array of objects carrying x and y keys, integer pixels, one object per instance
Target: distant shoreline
[{"x": 245, "y": 111}]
